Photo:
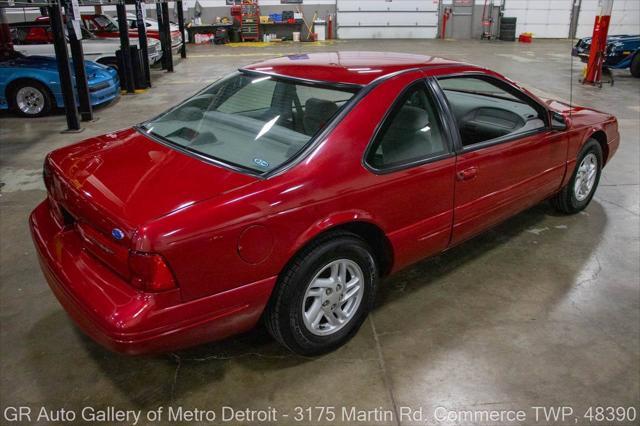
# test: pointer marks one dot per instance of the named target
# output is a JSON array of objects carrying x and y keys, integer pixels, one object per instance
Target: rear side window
[
  {"x": 31, "y": 35},
  {"x": 411, "y": 132},
  {"x": 486, "y": 110}
]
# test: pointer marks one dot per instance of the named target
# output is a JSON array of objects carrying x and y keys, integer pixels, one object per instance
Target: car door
[
  {"x": 411, "y": 156},
  {"x": 508, "y": 157}
]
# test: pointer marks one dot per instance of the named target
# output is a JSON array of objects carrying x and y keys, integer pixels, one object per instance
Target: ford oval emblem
[
  {"x": 117, "y": 234},
  {"x": 260, "y": 162}
]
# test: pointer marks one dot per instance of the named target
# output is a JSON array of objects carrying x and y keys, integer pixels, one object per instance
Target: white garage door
[
  {"x": 625, "y": 18},
  {"x": 543, "y": 18},
  {"x": 387, "y": 19}
]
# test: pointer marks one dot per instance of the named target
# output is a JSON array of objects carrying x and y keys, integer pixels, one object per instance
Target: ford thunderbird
[{"x": 285, "y": 191}]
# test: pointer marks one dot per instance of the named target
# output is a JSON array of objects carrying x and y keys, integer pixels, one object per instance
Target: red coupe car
[{"x": 286, "y": 190}]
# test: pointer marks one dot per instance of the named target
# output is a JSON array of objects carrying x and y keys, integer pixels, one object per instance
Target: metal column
[
  {"x": 64, "y": 68},
  {"x": 142, "y": 41},
  {"x": 183, "y": 50},
  {"x": 167, "y": 34},
  {"x": 6, "y": 46},
  {"x": 125, "y": 52},
  {"x": 82, "y": 87},
  {"x": 163, "y": 40}
]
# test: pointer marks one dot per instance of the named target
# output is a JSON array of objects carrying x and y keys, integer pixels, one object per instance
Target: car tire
[
  {"x": 30, "y": 98},
  {"x": 635, "y": 65},
  {"x": 291, "y": 316},
  {"x": 577, "y": 194}
]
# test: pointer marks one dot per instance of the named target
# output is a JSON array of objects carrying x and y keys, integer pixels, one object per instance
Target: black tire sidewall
[
  {"x": 635, "y": 65},
  {"x": 342, "y": 248},
  {"x": 39, "y": 87},
  {"x": 591, "y": 146}
]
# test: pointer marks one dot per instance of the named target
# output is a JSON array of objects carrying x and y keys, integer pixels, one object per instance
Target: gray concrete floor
[{"x": 542, "y": 310}]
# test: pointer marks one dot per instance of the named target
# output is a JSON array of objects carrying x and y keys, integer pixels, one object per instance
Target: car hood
[
  {"x": 127, "y": 179},
  {"x": 49, "y": 63},
  {"x": 620, "y": 37},
  {"x": 623, "y": 40},
  {"x": 115, "y": 42}
]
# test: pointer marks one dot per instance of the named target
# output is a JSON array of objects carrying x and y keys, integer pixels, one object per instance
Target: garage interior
[{"x": 543, "y": 309}]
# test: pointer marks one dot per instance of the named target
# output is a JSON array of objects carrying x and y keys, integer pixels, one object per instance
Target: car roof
[{"x": 358, "y": 68}]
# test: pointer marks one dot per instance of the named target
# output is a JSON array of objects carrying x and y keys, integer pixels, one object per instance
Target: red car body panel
[
  {"x": 123, "y": 319},
  {"x": 100, "y": 30},
  {"x": 227, "y": 235}
]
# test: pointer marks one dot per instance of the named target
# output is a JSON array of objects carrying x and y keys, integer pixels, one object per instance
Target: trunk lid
[{"x": 105, "y": 188}]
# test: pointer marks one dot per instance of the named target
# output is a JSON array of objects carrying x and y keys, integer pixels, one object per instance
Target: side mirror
[{"x": 558, "y": 121}]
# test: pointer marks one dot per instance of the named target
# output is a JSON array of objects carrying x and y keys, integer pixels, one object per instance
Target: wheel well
[
  {"x": 601, "y": 137},
  {"x": 107, "y": 60},
  {"x": 11, "y": 87},
  {"x": 373, "y": 235}
]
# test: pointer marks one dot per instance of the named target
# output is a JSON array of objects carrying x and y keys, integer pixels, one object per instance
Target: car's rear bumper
[{"x": 124, "y": 319}]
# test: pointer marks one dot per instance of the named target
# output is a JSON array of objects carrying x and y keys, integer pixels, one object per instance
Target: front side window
[
  {"x": 484, "y": 110},
  {"x": 411, "y": 132},
  {"x": 252, "y": 122}
]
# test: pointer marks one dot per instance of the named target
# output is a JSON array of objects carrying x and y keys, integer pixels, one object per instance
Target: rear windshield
[{"x": 253, "y": 122}]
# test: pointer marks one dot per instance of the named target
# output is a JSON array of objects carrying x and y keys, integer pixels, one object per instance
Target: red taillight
[
  {"x": 150, "y": 272},
  {"x": 47, "y": 174}
]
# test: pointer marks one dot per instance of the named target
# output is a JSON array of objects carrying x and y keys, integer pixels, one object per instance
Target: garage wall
[
  {"x": 210, "y": 9},
  {"x": 213, "y": 8},
  {"x": 625, "y": 18},
  {"x": 544, "y": 18},
  {"x": 357, "y": 19}
]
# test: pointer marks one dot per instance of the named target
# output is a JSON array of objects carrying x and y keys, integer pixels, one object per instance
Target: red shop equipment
[
  {"x": 597, "y": 52},
  {"x": 445, "y": 18}
]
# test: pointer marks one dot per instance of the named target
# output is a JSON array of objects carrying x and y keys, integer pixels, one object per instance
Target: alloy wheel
[
  {"x": 332, "y": 297},
  {"x": 586, "y": 177},
  {"x": 30, "y": 100}
]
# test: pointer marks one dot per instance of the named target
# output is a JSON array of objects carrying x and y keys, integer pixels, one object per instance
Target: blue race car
[
  {"x": 30, "y": 85},
  {"x": 622, "y": 52}
]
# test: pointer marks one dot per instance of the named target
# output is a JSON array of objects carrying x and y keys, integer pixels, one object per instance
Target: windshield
[
  {"x": 252, "y": 122},
  {"x": 107, "y": 23}
]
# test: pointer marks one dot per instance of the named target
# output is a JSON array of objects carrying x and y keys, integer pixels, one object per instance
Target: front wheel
[
  {"x": 577, "y": 194},
  {"x": 324, "y": 295},
  {"x": 31, "y": 99}
]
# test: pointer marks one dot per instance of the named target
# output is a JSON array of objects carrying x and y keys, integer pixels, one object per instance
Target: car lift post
[
  {"x": 167, "y": 34},
  {"x": 142, "y": 41},
  {"x": 163, "y": 42},
  {"x": 64, "y": 68},
  {"x": 6, "y": 46},
  {"x": 125, "y": 52},
  {"x": 183, "y": 49},
  {"x": 598, "y": 50},
  {"x": 77, "y": 55}
]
